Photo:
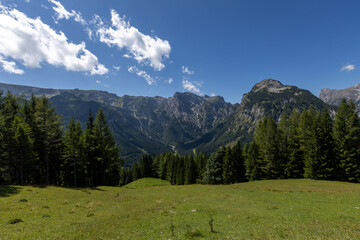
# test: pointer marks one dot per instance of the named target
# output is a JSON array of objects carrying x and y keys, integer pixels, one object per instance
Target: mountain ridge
[{"x": 180, "y": 123}]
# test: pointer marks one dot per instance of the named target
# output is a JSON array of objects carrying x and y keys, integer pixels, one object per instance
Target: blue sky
[{"x": 155, "y": 48}]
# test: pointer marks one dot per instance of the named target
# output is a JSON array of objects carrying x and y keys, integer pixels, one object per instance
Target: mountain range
[{"x": 183, "y": 123}]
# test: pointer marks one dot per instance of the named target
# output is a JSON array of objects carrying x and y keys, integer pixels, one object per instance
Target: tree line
[
  {"x": 308, "y": 144},
  {"x": 36, "y": 150}
]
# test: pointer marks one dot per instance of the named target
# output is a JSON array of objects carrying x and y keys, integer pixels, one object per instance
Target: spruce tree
[
  {"x": 50, "y": 138},
  {"x": 294, "y": 168},
  {"x": 107, "y": 153},
  {"x": 190, "y": 170},
  {"x": 253, "y": 163},
  {"x": 24, "y": 153},
  {"x": 214, "y": 167},
  {"x": 347, "y": 137},
  {"x": 326, "y": 148},
  {"x": 266, "y": 139},
  {"x": 73, "y": 152}
]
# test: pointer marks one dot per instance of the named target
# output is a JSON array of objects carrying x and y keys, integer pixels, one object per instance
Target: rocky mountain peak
[
  {"x": 270, "y": 85},
  {"x": 334, "y": 96}
]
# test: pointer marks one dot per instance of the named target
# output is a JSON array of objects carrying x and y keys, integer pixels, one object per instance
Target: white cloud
[
  {"x": 10, "y": 67},
  {"x": 191, "y": 86},
  {"x": 117, "y": 68},
  {"x": 186, "y": 70},
  {"x": 348, "y": 68},
  {"x": 62, "y": 13},
  {"x": 143, "y": 48},
  {"x": 212, "y": 95},
  {"x": 27, "y": 1},
  {"x": 89, "y": 33},
  {"x": 170, "y": 80},
  {"x": 143, "y": 74},
  {"x": 31, "y": 42},
  {"x": 98, "y": 81}
]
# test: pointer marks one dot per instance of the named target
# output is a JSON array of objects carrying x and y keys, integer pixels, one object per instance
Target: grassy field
[{"x": 149, "y": 209}]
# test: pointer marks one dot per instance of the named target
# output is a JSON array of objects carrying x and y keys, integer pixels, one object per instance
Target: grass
[{"x": 274, "y": 209}]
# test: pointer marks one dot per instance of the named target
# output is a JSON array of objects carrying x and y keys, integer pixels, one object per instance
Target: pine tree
[
  {"x": 90, "y": 151},
  {"x": 108, "y": 158},
  {"x": 326, "y": 147},
  {"x": 229, "y": 167},
  {"x": 240, "y": 169},
  {"x": 266, "y": 139},
  {"x": 190, "y": 170},
  {"x": 308, "y": 130},
  {"x": 214, "y": 167},
  {"x": 73, "y": 151},
  {"x": 10, "y": 108},
  {"x": 24, "y": 154},
  {"x": 294, "y": 168},
  {"x": 347, "y": 137},
  {"x": 253, "y": 163},
  {"x": 283, "y": 135},
  {"x": 146, "y": 166},
  {"x": 50, "y": 137}
]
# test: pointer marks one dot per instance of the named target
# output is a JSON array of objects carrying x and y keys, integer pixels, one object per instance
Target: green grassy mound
[
  {"x": 147, "y": 182},
  {"x": 276, "y": 209}
]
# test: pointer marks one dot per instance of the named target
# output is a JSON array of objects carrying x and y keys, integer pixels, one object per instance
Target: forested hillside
[{"x": 180, "y": 124}]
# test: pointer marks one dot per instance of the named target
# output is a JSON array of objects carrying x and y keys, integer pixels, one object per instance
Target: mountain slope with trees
[{"x": 181, "y": 123}]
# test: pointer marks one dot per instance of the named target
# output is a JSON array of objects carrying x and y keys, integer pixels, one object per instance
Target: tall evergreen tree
[
  {"x": 347, "y": 137},
  {"x": 24, "y": 153},
  {"x": 326, "y": 148},
  {"x": 266, "y": 139},
  {"x": 190, "y": 170},
  {"x": 107, "y": 153},
  {"x": 73, "y": 151},
  {"x": 214, "y": 167},
  {"x": 308, "y": 130},
  {"x": 294, "y": 168},
  {"x": 50, "y": 135},
  {"x": 254, "y": 171}
]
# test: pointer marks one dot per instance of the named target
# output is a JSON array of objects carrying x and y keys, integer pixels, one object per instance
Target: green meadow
[{"x": 153, "y": 209}]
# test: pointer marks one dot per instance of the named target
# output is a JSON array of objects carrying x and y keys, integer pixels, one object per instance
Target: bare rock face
[
  {"x": 270, "y": 85},
  {"x": 334, "y": 96}
]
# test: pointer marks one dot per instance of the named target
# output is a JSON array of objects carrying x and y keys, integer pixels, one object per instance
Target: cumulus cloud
[
  {"x": 143, "y": 48},
  {"x": 142, "y": 74},
  {"x": 348, "y": 68},
  {"x": 10, "y": 67},
  {"x": 186, "y": 70},
  {"x": 212, "y": 95},
  {"x": 62, "y": 13},
  {"x": 31, "y": 42},
  {"x": 191, "y": 86}
]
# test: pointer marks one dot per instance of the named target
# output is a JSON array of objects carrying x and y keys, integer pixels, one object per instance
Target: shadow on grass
[
  {"x": 84, "y": 188},
  {"x": 7, "y": 191}
]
